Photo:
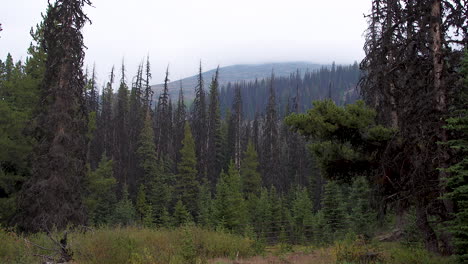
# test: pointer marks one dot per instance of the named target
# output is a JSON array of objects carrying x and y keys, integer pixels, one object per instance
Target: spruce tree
[
  {"x": 270, "y": 145},
  {"x": 181, "y": 215},
  {"x": 362, "y": 216},
  {"x": 154, "y": 176},
  {"x": 186, "y": 188},
  {"x": 230, "y": 207},
  {"x": 179, "y": 125},
  {"x": 205, "y": 205},
  {"x": 334, "y": 210},
  {"x": 53, "y": 196},
  {"x": 302, "y": 214},
  {"x": 163, "y": 121},
  {"x": 124, "y": 213},
  {"x": 121, "y": 132},
  {"x": 199, "y": 125},
  {"x": 251, "y": 178},
  {"x": 458, "y": 179},
  {"x": 147, "y": 153},
  {"x": 214, "y": 140},
  {"x": 100, "y": 197},
  {"x": 106, "y": 124}
]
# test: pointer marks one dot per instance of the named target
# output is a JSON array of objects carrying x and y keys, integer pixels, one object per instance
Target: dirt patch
[{"x": 316, "y": 257}]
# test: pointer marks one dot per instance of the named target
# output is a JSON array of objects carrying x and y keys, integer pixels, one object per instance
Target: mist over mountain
[{"x": 237, "y": 73}]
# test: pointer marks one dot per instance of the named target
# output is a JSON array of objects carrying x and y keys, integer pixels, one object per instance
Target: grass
[
  {"x": 131, "y": 245},
  {"x": 191, "y": 244}
]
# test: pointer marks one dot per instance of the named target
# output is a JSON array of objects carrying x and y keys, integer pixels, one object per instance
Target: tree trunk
[{"x": 430, "y": 237}]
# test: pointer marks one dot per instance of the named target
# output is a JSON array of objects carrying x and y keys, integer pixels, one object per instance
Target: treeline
[
  {"x": 165, "y": 165},
  {"x": 338, "y": 82}
]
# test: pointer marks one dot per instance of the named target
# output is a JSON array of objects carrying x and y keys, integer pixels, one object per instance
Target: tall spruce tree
[
  {"x": 199, "y": 124},
  {"x": 270, "y": 144},
  {"x": 163, "y": 121},
  {"x": 136, "y": 117},
  {"x": 121, "y": 131},
  {"x": 214, "y": 140},
  {"x": 53, "y": 196},
  {"x": 186, "y": 188},
  {"x": 179, "y": 125},
  {"x": 106, "y": 124}
]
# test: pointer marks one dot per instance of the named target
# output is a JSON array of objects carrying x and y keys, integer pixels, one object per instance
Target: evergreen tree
[
  {"x": 101, "y": 199},
  {"x": 181, "y": 215},
  {"x": 141, "y": 205},
  {"x": 53, "y": 196},
  {"x": 106, "y": 118},
  {"x": 124, "y": 213},
  {"x": 235, "y": 128},
  {"x": 260, "y": 212},
  {"x": 121, "y": 132},
  {"x": 179, "y": 125},
  {"x": 147, "y": 153},
  {"x": 302, "y": 214},
  {"x": 334, "y": 211},
  {"x": 362, "y": 215},
  {"x": 458, "y": 180},
  {"x": 163, "y": 121},
  {"x": 205, "y": 206},
  {"x": 186, "y": 183},
  {"x": 251, "y": 178},
  {"x": 153, "y": 175},
  {"x": 214, "y": 140},
  {"x": 270, "y": 144},
  {"x": 136, "y": 117},
  {"x": 230, "y": 207},
  {"x": 199, "y": 125}
]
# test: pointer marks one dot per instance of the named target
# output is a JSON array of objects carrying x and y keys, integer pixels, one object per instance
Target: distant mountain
[{"x": 236, "y": 73}]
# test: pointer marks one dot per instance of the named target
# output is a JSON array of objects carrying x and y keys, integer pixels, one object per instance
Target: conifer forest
[{"x": 348, "y": 163}]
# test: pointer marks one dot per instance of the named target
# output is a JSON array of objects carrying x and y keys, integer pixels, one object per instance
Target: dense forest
[{"x": 297, "y": 159}]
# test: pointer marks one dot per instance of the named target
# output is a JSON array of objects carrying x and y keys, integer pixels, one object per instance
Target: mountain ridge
[{"x": 236, "y": 73}]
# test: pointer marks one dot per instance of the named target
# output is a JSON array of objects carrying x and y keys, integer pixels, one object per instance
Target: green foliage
[
  {"x": 143, "y": 209},
  {"x": 124, "y": 213},
  {"x": 230, "y": 208},
  {"x": 181, "y": 215},
  {"x": 147, "y": 152},
  {"x": 346, "y": 139},
  {"x": 101, "y": 199},
  {"x": 187, "y": 184},
  {"x": 334, "y": 211},
  {"x": 362, "y": 216},
  {"x": 260, "y": 212},
  {"x": 251, "y": 178},
  {"x": 356, "y": 250},
  {"x": 19, "y": 85},
  {"x": 414, "y": 254},
  {"x": 302, "y": 213},
  {"x": 458, "y": 179},
  {"x": 205, "y": 206}
]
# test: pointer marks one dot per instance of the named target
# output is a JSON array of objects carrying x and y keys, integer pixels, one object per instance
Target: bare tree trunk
[
  {"x": 430, "y": 237},
  {"x": 440, "y": 91}
]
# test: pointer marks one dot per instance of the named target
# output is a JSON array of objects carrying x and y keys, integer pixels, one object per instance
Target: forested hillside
[
  {"x": 237, "y": 73},
  {"x": 279, "y": 160}
]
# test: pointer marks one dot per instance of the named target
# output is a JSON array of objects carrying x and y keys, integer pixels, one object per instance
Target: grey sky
[{"x": 181, "y": 32}]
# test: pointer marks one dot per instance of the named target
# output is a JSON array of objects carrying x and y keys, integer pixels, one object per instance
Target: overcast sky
[{"x": 183, "y": 32}]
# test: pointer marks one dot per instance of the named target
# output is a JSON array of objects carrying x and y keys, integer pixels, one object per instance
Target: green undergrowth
[{"x": 132, "y": 245}]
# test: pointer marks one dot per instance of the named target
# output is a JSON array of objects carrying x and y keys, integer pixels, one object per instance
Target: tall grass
[{"x": 133, "y": 245}]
